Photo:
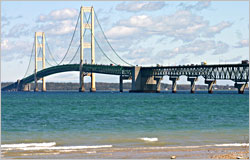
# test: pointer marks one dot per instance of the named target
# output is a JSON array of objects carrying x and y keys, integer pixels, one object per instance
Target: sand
[{"x": 135, "y": 153}]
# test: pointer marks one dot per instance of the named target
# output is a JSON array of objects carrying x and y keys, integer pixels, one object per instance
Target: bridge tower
[
  {"x": 39, "y": 45},
  {"x": 87, "y": 45}
]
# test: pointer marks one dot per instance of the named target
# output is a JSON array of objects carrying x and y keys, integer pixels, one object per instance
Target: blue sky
[{"x": 143, "y": 33}]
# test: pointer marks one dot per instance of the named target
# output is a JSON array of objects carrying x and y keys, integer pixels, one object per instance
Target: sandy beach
[{"x": 135, "y": 153}]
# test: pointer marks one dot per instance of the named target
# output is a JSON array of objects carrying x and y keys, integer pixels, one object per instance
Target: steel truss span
[{"x": 234, "y": 72}]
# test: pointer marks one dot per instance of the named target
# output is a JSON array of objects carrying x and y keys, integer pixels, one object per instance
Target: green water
[{"x": 121, "y": 119}]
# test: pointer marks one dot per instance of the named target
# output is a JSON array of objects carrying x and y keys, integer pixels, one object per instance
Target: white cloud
[
  {"x": 15, "y": 49},
  {"x": 197, "y": 6},
  {"x": 5, "y": 46},
  {"x": 234, "y": 59},
  {"x": 58, "y": 22},
  {"x": 182, "y": 25},
  {"x": 220, "y": 48},
  {"x": 62, "y": 14},
  {"x": 121, "y": 31},
  {"x": 140, "y": 6},
  {"x": 63, "y": 27},
  {"x": 243, "y": 43},
  {"x": 18, "y": 30},
  {"x": 212, "y": 30},
  {"x": 6, "y": 20},
  {"x": 58, "y": 28},
  {"x": 141, "y": 56},
  {"x": 200, "y": 47},
  {"x": 138, "y": 21}
]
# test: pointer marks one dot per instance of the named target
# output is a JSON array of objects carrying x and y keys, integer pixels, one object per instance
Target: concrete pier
[
  {"x": 142, "y": 81},
  {"x": 43, "y": 85},
  {"x": 92, "y": 88},
  {"x": 210, "y": 85},
  {"x": 192, "y": 80},
  {"x": 241, "y": 87},
  {"x": 26, "y": 87},
  {"x": 81, "y": 88},
  {"x": 36, "y": 87},
  {"x": 174, "y": 83},
  {"x": 121, "y": 84},
  {"x": 22, "y": 87},
  {"x": 36, "y": 84}
]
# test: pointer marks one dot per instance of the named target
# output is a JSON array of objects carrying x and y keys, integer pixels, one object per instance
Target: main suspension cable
[
  {"x": 70, "y": 41},
  {"x": 75, "y": 54},
  {"x": 51, "y": 55},
  {"x": 81, "y": 37},
  {"x": 31, "y": 55},
  {"x": 104, "y": 52},
  {"x": 109, "y": 43},
  {"x": 101, "y": 48},
  {"x": 48, "y": 62}
]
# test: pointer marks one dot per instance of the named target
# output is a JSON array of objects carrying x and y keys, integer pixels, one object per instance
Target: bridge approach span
[
  {"x": 89, "y": 68},
  {"x": 234, "y": 72}
]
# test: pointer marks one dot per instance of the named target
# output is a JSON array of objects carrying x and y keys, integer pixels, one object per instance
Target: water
[{"x": 113, "y": 119}]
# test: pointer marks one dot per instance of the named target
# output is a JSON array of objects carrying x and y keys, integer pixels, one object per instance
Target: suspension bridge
[{"x": 144, "y": 79}]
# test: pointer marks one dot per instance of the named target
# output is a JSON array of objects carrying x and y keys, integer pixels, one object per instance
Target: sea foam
[
  {"x": 201, "y": 146},
  {"x": 66, "y": 147},
  {"x": 22, "y": 145},
  {"x": 232, "y": 144},
  {"x": 47, "y": 146},
  {"x": 149, "y": 139}
]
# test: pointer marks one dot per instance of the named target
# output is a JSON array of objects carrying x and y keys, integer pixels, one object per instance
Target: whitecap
[
  {"x": 66, "y": 147},
  {"x": 22, "y": 145},
  {"x": 154, "y": 139}
]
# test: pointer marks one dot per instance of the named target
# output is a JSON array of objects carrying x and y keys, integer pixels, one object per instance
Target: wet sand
[{"x": 135, "y": 153}]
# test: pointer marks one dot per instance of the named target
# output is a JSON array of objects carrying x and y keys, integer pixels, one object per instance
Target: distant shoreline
[{"x": 102, "y": 86}]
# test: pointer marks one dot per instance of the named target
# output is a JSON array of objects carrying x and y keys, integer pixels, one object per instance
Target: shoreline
[{"x": 188, "y": 152}]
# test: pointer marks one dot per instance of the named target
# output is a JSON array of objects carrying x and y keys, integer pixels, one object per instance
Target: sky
[{"x": 143, "y": 33}]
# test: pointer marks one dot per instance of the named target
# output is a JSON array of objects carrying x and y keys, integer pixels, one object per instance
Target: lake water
[{"x": 71, "y": 120}]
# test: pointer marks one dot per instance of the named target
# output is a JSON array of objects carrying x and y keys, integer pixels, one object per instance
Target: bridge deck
[{"x": 235, "y": 72}]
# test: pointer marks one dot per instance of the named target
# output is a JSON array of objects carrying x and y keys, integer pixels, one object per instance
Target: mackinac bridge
[{"x": 144, "y": 79}]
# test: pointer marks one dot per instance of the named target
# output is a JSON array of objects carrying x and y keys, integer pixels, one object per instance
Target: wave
[
  {"x": 233, "y": 145},
  {"x": 21, "y": 145},
  {"x": 47, "y": 146},
  {"x": 52, "y": 146},
  {"x": 201, "y": 146},
  {"x": 149, "y": 139},
  {"x": 66, "y": 147}
]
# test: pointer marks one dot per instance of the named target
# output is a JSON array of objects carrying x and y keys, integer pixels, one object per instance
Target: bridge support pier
[
  {"x": 210, "y": 85},
  {"x": 241, "y": 87},
  {"x": 192, "y": 80},
  {"x": 121, "y": 84},
  {"x": 26, "y": 87},
  {"x": 92, "y": 89},
  {"x": 81, "y": 89},
  {"x": 174, "y": 83},
  {"x": 143, "y": 82},
  {"x": 36, "y": 86},
  {"x": 22, "y": 87},
  {"x": 44, "y": 85}
]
